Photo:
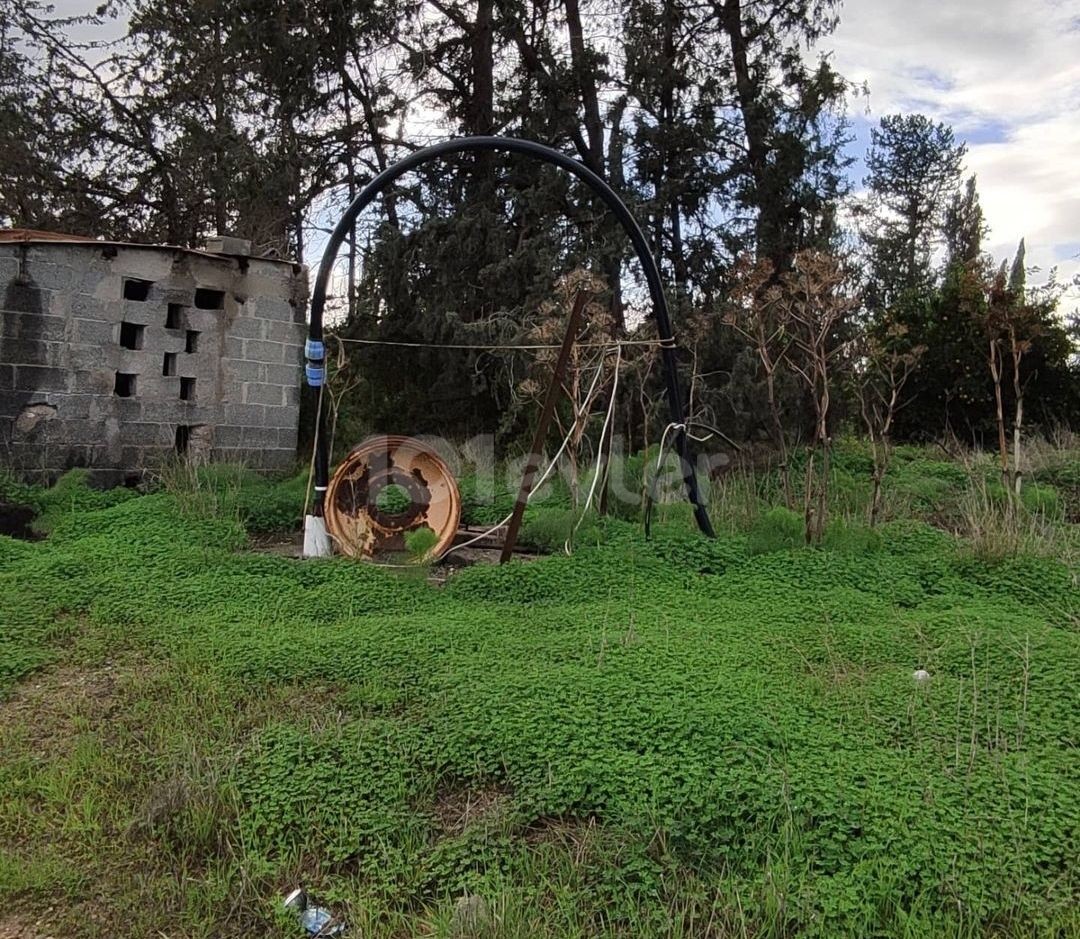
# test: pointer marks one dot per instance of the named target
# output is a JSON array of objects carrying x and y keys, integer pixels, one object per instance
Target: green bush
[
  {"x": 547, "y": 529},
  {"x": 479, "y": 507},
  {"x": 849, "y": 493},
  {"x": 276, "y": 505},
  {"x": 14, "y": 549},
  {"x": 924, "y": 468},
  {"x": 932, "y": 487},
  {"x": 924, "y": 493},
  {"x": 72, "y": 496},
  {"x": 627, "y": 479},
  {"x": 1063, "y": 473},
  {"x": 14, "y": 490},
  {"x": 1064, "y": 476},
  {"x": 419, "y": 543},
  {"x": 779, "y": 529},
  {"x": 263, "y": 504},
  {"x": 850, "y": 537},
  {"x": 1042, "y": 499},
  {"x": 853, "y": 456},
  {"x": 996, "y": 493},
  {"x": 393, "y": 499}
]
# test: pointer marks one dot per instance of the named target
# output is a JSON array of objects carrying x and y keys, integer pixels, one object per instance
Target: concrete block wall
[{"x": 215, "y": 348}]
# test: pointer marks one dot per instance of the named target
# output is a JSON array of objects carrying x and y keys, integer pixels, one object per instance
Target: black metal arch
[{"x": 316, "y": 357}]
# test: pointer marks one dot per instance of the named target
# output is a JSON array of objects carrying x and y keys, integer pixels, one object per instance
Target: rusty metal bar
[{"x": 540, "y": 434}]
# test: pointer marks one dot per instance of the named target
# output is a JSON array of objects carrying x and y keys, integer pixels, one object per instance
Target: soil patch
[{"x": 16, "y": 927}]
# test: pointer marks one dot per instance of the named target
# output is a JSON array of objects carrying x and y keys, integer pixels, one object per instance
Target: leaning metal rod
[
  {"x": 573, "y": 326},
  {"x": 316, "y": 353}
]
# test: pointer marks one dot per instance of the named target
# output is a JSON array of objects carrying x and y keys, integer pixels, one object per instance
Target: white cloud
[
  {"x": 1012, "y": 60},
  {"x": 1030, "y": 187},
  {"x": 1006, "y": 75}
]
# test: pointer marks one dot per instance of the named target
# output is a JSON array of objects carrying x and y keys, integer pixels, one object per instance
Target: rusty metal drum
[{"x": 387, "y": 487}]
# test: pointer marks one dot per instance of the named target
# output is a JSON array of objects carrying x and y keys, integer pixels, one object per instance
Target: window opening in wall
[
  {"x": 135, "y": 289},
  {"x": 187, "y": 389},
  {"x": 174, "y": 315},
  {"x": 183, "y": 437},
  {"x": 207, "y": 299},
  {"x": 168, "y": 367},
  {"x": 191, "y": 341},
  {"x": 125, "y": 385},
  {"x": 131, "y": 335}
]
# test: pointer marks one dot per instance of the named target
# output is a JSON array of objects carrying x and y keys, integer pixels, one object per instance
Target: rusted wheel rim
[{"x": 361, "y": 517}]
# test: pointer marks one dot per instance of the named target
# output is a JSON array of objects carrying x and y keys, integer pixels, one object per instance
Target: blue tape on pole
[
  {"x": 316, "y": 375},
  {"x": 314, "y": 350}
]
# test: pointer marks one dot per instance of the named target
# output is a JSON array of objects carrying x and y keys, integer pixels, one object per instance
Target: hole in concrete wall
[
  {"x": 187, "y": 389},
  {"x": 125, "y": 385},
  {"x": 174, "y": 316},
  {"x": 197, "y": 440},
  {"x": 168, "y": 367},
  {"x": 191, "y": 341},
  {"x": 207, "y": 299},
  {"x": 132, "y": 480},
  {"x": 131, "y": 335},
  {"x": 135, "y": 289}
]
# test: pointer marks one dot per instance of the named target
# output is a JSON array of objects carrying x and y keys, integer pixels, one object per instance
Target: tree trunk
[
  {"x": 756, "y": 127},
  {"x": 483, "y": 63},
  {"x": 875, "y": 495},
  {"x": 779, "y": 437},
  {"x": 1018, "y": 421},
  {"x": 667, "y": 121},
  {"x": 1018, "y": 417},
  {"x": 808, "y": 497},
  {"x": 220, "y": 135},
  {"x": 1003, "y": 446},
  {"x": 618, "y": 182},
  {"x": 585, "y": 78},
  {"x": 481, "y": 109},
  {"x": 826, "y": 461},
  {"x": 350, "y": 170}
]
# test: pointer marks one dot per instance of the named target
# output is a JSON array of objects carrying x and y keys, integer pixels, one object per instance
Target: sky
[{"x": 1004, "y": 73}]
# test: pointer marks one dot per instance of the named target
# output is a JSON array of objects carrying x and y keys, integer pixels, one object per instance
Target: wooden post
[{"x": 540, "y": 434}]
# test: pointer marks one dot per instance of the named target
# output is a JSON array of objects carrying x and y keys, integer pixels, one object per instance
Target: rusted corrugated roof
[{"x": 33, "y": 234}]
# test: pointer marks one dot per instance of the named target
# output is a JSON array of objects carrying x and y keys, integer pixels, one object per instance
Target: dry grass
[
  {"x": 197, "y": 493},
  {"x": 457, "y": 808}
]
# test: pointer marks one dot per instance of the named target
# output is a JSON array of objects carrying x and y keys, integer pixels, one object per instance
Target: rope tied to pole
[{"x": 502, "y": 347}]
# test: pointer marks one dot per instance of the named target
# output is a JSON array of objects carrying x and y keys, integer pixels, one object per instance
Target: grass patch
[{"x": 678, "y": 737}]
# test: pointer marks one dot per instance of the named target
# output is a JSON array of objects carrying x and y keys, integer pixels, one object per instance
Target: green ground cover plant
[{"x": 673, "y": 737}]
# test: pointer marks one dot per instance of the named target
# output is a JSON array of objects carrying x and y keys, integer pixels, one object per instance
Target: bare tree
[
  {"x": 881, "y": 370},
  {"x": 1011, "y": 321},
  {"x": 756, "y": 314},
  {"x": 815, "y": 303}
]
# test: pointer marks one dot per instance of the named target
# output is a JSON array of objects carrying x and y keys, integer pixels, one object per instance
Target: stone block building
[{"x": 113, "y": 356}]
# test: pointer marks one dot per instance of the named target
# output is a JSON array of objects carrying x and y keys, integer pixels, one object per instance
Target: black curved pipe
[{"x": 614, "y": 203}]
